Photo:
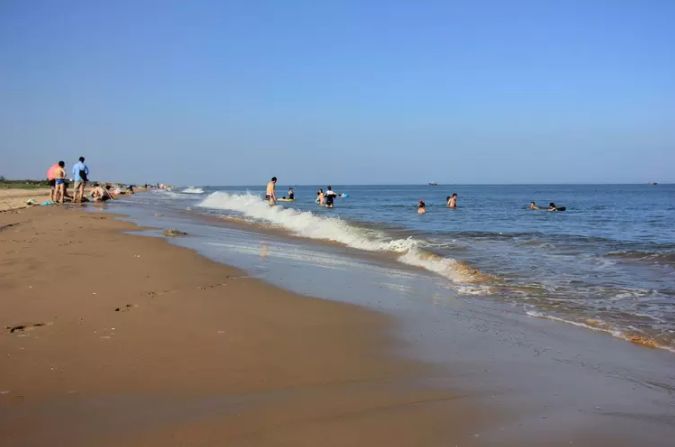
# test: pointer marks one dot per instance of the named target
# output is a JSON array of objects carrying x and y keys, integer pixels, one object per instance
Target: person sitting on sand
[
  {"x": 112, "y": 192},
  {"x": 533, "y": 206},
  {"x": 60, "y": 182},
  {"x": 421, "y": 207},
  {"x": 330, "y": 196},
  {"x": 452, "y": 200},
  {"x": 270, "y": 193},
  {"x": 99, "y": 194}
]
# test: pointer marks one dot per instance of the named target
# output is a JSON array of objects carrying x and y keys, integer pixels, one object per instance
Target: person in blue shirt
[{"x": 80, "y": 176}]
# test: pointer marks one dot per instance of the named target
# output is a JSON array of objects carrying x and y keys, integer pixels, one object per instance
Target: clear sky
[{"x": 315, "y": 92}]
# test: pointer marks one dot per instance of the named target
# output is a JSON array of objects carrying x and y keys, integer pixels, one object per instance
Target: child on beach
[{"x": 60, "y": 182}]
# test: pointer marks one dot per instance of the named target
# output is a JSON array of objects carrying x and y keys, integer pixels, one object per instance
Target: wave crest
[
  {"x": 306, "y": 224},
  {"x": 192, "y": 190}
]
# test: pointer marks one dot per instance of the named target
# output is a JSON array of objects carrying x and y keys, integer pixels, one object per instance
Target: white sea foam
[
  {"x": 309, "y": 225},
  {"x": 601, "y": 326},
  {"x": 193, "y": 190}
]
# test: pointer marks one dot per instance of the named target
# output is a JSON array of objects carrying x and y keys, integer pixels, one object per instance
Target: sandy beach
[
  {"x": 341, "y": 224},
  {"x": 115, "y": 339}
]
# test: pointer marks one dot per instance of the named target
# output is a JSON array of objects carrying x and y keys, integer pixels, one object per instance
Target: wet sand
[{"x": 115, "y": 339}]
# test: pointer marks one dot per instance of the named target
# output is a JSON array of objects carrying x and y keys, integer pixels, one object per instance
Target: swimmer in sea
[
  {"x": 291, "y": 194},
  {"x": 552, "y": 207},
  {"x": 452, "y": 200},
  {"x": 270, "y": 193},
  {"x": 330, "y": 196},
  {"x": 320, "y": 197},
  {"x": 421, "y": 207},
  {"x": 533, "y": 206}
]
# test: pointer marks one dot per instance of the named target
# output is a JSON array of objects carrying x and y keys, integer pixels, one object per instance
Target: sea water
[{"x": 607, "y": 263}]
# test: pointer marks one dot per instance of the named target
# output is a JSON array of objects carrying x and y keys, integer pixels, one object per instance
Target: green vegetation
[{"x": 22, "y": 184}]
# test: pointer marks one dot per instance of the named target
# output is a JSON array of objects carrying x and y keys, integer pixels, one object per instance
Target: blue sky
[{"x": 217, "y": 92}]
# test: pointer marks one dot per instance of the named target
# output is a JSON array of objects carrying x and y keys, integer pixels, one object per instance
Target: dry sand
[
  {"x": 16, "y": 198},
  {"x": 115, "y": 339}
]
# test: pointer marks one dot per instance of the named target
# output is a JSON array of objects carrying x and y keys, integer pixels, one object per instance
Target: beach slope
[{"x": 117, "y": 339}]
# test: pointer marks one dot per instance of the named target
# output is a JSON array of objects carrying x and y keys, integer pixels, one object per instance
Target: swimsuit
[
  {"x": 329, "y": 199},
  {"x": 60, "y": 181}
]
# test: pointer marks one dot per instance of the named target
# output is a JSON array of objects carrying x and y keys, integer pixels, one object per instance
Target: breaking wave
[
  {"x": 666, "y": 258},
  {"x": 192, "y": 190},
  {"x": 408, "y": 251}
]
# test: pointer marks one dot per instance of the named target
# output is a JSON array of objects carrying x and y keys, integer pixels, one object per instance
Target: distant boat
[
  {"x": 654, "y": 183},
  {"x": 433, "y": 183}
]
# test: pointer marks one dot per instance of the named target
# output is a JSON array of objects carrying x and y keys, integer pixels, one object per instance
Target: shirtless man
[
  {"x": 270, "y": 193},
  {"x": 452, "y": 200}
]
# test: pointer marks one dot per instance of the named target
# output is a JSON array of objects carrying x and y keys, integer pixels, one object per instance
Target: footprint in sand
[
  {"x": 24, "y": 327},
  {"x": 125, "y": 308}
]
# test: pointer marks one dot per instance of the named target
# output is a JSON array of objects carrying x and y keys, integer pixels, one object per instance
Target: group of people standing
[
  {"x": 326, "y": 198},
  {"x": 58, "y": 183},
  {"x": 56, "y": 175},
  {"x": 450, "y": 202}
]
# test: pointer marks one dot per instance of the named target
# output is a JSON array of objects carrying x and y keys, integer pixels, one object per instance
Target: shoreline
[
  {"x": 461, "y": 274},
  {"x": 153, "y": 344}
]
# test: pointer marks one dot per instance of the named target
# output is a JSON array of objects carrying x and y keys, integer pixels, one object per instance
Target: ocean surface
[{"x": 605, "y": 264}]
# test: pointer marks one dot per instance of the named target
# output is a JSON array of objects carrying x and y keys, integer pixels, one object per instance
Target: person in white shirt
[{"x": 330, "y": 196}]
